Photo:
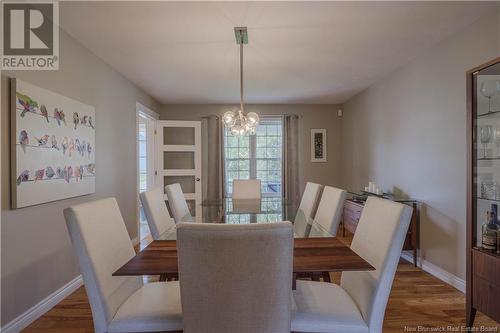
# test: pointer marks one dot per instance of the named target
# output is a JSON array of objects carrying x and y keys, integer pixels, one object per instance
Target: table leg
[{"x": 294, "y": 281}]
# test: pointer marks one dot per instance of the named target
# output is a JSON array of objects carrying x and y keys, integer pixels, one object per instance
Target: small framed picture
[{"x": 318, "y": 145}]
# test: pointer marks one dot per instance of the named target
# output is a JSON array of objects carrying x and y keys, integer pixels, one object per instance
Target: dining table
[{"x": 319, "y": 254}]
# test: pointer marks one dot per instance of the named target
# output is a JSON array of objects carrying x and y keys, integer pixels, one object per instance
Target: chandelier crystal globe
[{"x": 238, "y": 122}]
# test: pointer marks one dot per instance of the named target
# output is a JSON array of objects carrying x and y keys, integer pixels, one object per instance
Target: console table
[{"x": 353, "y": 206}]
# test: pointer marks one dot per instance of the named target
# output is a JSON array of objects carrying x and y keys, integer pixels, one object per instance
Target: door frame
[{"x": 143, "y": 111}]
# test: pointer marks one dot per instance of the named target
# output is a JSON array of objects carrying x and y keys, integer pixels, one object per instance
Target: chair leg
[
  {"x": 326, "y": 277},
  {"x": 315, "y": 276},
  {"x": 163, "y": 277}
]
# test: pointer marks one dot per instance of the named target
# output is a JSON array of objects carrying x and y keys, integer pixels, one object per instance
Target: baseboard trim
[
  {"x": 39, "y": 309},
  {"x": 436, "y": 271}
]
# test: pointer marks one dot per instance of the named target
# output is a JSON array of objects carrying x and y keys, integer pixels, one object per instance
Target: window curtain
[
  {"x": 212, "y": 158},
  {"x": 291, "y": 172}
]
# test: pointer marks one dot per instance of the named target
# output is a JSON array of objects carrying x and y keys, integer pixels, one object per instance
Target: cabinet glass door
[{"x": 486, "y": 159}]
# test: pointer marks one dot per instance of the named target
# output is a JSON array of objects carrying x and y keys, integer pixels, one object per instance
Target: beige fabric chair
[
  {"x": 307, "y": 207},
  {"x": 235, "y": 278},
  {"x": 329, "y": 212},
  {"x": 358, "y": 304},
  {"x": 119, "y": 304},
  {"x": 246, "y": 189},
  {"x": 156, "y": 211},
  {"x": 178, "y": 204}
]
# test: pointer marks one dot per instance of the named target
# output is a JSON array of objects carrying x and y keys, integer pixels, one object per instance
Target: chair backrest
[
  {"x": 330, "y": 209},
  {"x": 102, "y": 245},
  {"x": 177, "y": 203},
  {"x": 246, "y": 189},
  {"x": 379, "y": 239},
  {"x": 156, "y": 211},
  {"x": 308, "y": 203},
  {"x": 235, "y": 278}
]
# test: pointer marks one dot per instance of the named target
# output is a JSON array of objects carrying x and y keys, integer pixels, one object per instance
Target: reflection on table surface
[
  {"x": 228, "y": 210},
  {"x": 265, "y": 210}
]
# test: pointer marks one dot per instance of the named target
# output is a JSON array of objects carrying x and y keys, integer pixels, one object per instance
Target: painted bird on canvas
[
  {"x": 44, "y": 112},
  {"x": 39, "y": 174},
  {"x": 23, "y": 177},
  {"x": 64, "y": 144},
  {"x": 27, "y": 104},
  {"x": 49, "y": 172},
  {"x": 60, "y": 173},
  {"x": 81, "y": 147},
  {"x": 78, "y": 173},
  {"x": 69, "y": 174},
  {"x": 71, "y": 146},
  {"x": 90, "y": 168},
  {"x": 84, "y": 120},
  {"x": 53, "y": 141},
  {"x": 76, "y": 119},
  {"x": 91, "y": 122},
  {"x": 23, "y": 138},
  {"x": 59, "y": 116},
  {"x": 89, "y": 149},
  {"x": 80, "y": 169},
  {"x": 43, "y": 140}
]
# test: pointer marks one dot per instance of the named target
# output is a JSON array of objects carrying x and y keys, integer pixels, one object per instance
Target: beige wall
[
  {"x": 408, "y": 132},
  {"x": 37, "y": 257},
  {"x": 311, "y": 116}
]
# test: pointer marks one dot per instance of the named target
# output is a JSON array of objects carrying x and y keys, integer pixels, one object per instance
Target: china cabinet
[{"x": 483, "y": 191}]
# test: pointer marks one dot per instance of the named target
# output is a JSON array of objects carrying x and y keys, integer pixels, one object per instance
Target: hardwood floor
[{"x": 417, "y": 300}]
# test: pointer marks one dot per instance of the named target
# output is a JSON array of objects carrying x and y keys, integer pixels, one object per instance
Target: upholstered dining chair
[
  {"x": 306, "y": 210},
  {"x": 237, "y": 278},
  {"x": 119, "y": 304},
  {"x": 178, "y": 204},
  {"x": 246, "y": 189},
  {"x": 329, "y": 211},
  {"x": 156, "y": 211},
  {"x": 358, "y": 304}
]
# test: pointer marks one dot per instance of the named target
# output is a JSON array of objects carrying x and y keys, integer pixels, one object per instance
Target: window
[
  {"x": 256, "y": 157},
  {"x": 145, "y": 163},
  {"x": 143, "y": 157}
]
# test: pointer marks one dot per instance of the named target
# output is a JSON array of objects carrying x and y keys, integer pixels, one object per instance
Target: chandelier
[{"x": 238, "y": 122}]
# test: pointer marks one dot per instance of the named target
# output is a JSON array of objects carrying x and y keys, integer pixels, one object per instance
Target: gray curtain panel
[
  {"x": 212, "y": 157},
  {"x": 291, "y": 182}
]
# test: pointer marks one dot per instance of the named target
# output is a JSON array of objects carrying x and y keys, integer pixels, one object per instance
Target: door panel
[{"x": 179, "y": 156}]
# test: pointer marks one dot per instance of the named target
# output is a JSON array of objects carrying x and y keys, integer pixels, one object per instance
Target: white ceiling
[{"x": 298, "y": 52}]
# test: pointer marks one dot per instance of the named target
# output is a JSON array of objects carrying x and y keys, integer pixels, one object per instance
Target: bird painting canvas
[{"x": 54, "y": 156}]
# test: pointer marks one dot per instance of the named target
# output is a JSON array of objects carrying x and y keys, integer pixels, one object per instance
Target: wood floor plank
[{"x": 417, "y": 300}]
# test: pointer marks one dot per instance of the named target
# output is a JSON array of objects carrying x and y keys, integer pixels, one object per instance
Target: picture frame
[
  {"x": 52, "y": 146},
  {"x": 318, "y": 145}
]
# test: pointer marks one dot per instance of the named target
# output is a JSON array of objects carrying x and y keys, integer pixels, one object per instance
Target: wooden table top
[{"x": 322, "y": 254}]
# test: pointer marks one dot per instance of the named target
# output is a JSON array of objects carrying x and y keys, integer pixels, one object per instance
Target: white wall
[
  {"x": 37, "y": 257},
  {"x": 407, "y": 132}
]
